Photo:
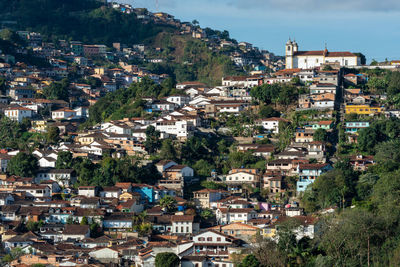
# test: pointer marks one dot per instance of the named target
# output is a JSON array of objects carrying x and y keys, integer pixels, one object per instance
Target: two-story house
[
  {"x": 205, "y": 197},
  {"x": 308, "y": 173},
  {"x": 213, "y": 244}
]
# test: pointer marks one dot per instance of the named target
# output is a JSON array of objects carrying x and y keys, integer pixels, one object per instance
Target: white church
[{"x": 311, "y": 59}]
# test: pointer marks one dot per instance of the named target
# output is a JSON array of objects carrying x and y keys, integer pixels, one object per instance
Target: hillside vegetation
[{"x": 87, "y": 21}]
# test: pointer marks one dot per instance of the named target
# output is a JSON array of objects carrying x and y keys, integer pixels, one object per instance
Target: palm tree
[{"x": 168, "y": 203}]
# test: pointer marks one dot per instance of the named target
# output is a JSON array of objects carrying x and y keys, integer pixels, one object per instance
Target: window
[
  {"x": 218, "y": 238},
  {"x": 209, "y": 238}
]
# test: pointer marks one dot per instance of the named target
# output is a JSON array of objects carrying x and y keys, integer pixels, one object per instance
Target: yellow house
[
  {"x": 100, "y": 71},
  {"x": 39, "y": 125},
  {"x": 362, "y": 109},
  {"x": 90, "y": 138},
  {"x": 269, "y": 232},
  {"x": 126, "y": 196}
]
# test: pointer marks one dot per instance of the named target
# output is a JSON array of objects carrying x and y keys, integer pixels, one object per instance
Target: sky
[{"x": 371, "y": 27}]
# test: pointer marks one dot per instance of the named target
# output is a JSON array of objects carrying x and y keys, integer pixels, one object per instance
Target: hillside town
[{"x": 203, "y": 171}]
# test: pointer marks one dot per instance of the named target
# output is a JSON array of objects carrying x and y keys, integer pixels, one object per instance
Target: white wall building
[
  {"x": 312, "y": 59},
  {"x": 270, "y": 124},
  {"x": 18, "y": 113},
  {"x": 63, "y": 114}
]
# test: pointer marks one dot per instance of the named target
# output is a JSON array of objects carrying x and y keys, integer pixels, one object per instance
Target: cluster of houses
[
  {"x": 55, "y": 222},
  {"x": 97, "y": 225}
]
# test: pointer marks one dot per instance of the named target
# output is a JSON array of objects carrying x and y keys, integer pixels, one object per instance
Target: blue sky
[{"x": 368, "y": 26}]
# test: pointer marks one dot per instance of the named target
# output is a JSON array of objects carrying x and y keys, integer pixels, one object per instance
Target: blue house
[
  {"x": 308, "y": 173},
  {"x": 355, "y": 126},
  {"x": 146, "y": 191}
]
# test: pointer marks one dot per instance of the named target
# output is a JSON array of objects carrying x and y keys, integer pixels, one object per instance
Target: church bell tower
[{"x": 289, "y": 53}]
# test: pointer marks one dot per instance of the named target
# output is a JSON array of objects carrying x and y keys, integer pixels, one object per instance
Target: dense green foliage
[
  {"x": 64, "y": 20},
  {"x": 57, "y": 90},
  {"x": 23, "y": 164},
  {"x": 127, "y": 102},
  {"x": 14, "y": 134},
  {"x": 320, "y": 135},
  {"x": 108, "y": 172},
  {"x": 167, "y": 259},
  {"x": 368, "y": 233},
  {"x": 282, "y": 94},
  {"x": 250, "y": 261}
]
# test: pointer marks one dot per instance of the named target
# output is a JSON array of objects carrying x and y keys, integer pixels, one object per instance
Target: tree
[
  {"x": 95, "y": 230},
  {"x": 167, "y": 150},
  {"x": 53, "y": 135},
  {"x": 352, "y": 238},
  {"x": 168, "y": 203},
  {"x": 268, "y": 112},
  {"x": 70, "y": 220},
  {"x": 203, "y": 168},
  {"x": 250, "y": 261},
  {"x": 376, "y": 84},
  {"x": 15, "y": 253},
  {"x": 84, "y": 221},
  {"x": 57, "y": 90},
  {"x": 23, "y": 164},
  {"x": 264, "y": 248},
  {"x": 33, "y": 226},
  {"x": 65, "y": 160},
  {"x": 207, "y": 214},
  {"x": 367, "y": 139},
  {"x": 320, "y": 135},
  {"x": 167, "y": 259},
  {"x": 152, "y": 143}
]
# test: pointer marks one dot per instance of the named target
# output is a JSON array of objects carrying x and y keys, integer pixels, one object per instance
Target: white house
[
  {"x": 162, "y": 106},
  {"x": 18, "y": 113},
  {"x": 182, "y": 129},
  {"x": 179, "y": 100},
  {"x": 324, "y": 103},
  {"x": 46, "y": 162},
  {"x": 322, "y": 88},
  {"x": 111, "y": 192},
  {"x": 228, "y": 215},
  {"x": 105, "y": 255},
  {"x": 64, "y": 177},
  {"x": 35, "y": 190},
  {"x": 116, "y": 127},
  {"x": 184, "y": 224},
  {"x": 75, "y": 232},
  {"x": 63, "y": 114},
  {"x": 87, "y": 191},
  {"x": 242, "y": 177},
  {"x": 270, "y": 124},
  {"x": 212, "y": 243}
]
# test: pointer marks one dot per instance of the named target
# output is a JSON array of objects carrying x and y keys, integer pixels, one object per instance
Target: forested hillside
[{"x": 88, "y": 21}]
